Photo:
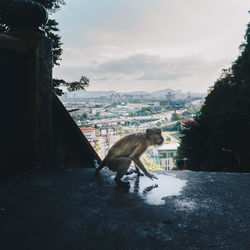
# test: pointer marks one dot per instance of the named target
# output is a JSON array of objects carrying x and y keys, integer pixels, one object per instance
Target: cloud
[
  {"x": 134, "y": 67},
  {"x": 161, "y": 76},
  {"x": 148, "y": 67}
]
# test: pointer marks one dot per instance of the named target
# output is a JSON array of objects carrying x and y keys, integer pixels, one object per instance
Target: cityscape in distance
[{"x": 106, "y": 116}]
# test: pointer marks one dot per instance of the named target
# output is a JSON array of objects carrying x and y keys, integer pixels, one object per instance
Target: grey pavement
[{"x": 73, "y": 209}]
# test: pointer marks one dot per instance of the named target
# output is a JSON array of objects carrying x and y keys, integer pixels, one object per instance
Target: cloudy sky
[{"x": 129, "y": 45}]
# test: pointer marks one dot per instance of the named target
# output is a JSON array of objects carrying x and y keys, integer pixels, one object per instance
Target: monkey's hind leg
[
  {"x": 119, "y": 165},
  {"x": 131, "y": 171},
  {"x": 137, "y": 170},
  {"x": 100, "y": 167}
]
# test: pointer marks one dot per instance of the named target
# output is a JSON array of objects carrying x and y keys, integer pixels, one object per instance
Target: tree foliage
[
  {"x": 51, "y": 28},
  {"x": 218, "y": 139},
  {"x": 176, "y": 117},
  {"x": 150, "y": 163},
  {"x": 144, "y": 111},
  {"x": 71, "y": 86}
]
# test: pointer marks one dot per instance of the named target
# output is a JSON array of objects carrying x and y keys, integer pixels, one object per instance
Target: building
[
  {"x": 177, "y": 104},
  {"x": 185, "y": 123},
  {"x": 157, "y": 104},
  {"x": 166, "y": 154},
  {"x": 89, "y": 133}
]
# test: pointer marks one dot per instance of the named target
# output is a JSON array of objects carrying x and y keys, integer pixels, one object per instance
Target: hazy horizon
[
  {"x": 150, "y": 45},
  {"x": 112, "y": 90}
]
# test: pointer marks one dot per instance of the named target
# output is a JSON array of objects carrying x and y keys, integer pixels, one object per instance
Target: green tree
[
  {"x": 176, "y": 117},
  {"x": 71, "y": 86},
  {"x": 76, "y": 117},
  {"x": 98, "y": 115},
  {"x": 150, "y": 163},
  {"x": 99, "y": 105},
  {"x": 168, "y": 139},
  {"x": 51, "y": 28},
  {"x": 97, "y": 146},
  {"x": 175, "y": 127},
  {"x": 121, "y": 131},
  {"x": 85, "y": 116},
  {"x": 132, "y": 114}
]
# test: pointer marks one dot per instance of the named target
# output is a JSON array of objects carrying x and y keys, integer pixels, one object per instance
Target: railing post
[{"x": 24, "y": 17}]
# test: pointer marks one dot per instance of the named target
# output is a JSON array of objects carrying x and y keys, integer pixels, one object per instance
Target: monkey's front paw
[{"x": 154, "y": 177}]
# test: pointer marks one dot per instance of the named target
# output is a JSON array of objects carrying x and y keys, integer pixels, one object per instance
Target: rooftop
[
  {"x": 86, "y": 128},
  {"x": 169, "y": 146},
  {"x": 186, "y": 120}
]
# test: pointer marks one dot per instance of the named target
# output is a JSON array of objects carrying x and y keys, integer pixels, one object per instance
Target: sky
[{"x": 148, "y": 45}]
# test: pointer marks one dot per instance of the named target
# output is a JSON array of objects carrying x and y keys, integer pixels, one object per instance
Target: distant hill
[
  {"x": 159, "y": 94},
  {"x": 90, "y": 94}
]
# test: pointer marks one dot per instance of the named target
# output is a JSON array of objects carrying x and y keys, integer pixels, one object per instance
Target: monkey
[
  {"x": 128, "y": 149},
  {"x": 136, "y": 170}
]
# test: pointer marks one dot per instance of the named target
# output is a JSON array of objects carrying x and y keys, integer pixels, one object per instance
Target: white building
[
  {"x": 166, "y": 154},
  {"x": 157, "y": 104},
  {"x": 89, "y": 133}
]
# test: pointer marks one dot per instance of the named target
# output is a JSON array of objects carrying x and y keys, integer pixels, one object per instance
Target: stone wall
[
  {"x": 15, "y": 137},
  {"x": 36, "y": 129}
]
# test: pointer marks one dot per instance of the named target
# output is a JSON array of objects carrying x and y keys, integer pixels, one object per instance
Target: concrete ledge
[
  {"x": 13, "y": 44},
  {"x": 74, "y": 209}
]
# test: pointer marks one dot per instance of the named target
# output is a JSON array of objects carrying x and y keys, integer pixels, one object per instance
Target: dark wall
[
  {"x": 70, "y": 146},
  {"x": 15, "y": 137},
  {"x": 36, "y": 129}
]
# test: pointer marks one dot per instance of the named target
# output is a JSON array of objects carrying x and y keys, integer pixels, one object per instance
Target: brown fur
[{"x": 129, "y": 149}]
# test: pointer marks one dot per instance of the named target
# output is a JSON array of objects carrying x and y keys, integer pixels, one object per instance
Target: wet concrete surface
[
  {"x": 155, "y": 192},
  {"x": 68, "y": 209}
]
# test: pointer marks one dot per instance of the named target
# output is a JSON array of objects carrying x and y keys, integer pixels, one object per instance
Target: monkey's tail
[
  {"x": 102, "y": 165},
  {"x": 131, "y": 171}
]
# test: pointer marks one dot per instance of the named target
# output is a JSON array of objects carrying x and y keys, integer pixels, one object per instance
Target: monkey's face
[{"x": 155, "y": 136}]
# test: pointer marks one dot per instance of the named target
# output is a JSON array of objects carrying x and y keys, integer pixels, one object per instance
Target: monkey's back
[{"x": 125, "y": 146}]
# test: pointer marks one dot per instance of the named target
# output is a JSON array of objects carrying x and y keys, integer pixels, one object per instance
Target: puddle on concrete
[{"x": 154, "y": 192}]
